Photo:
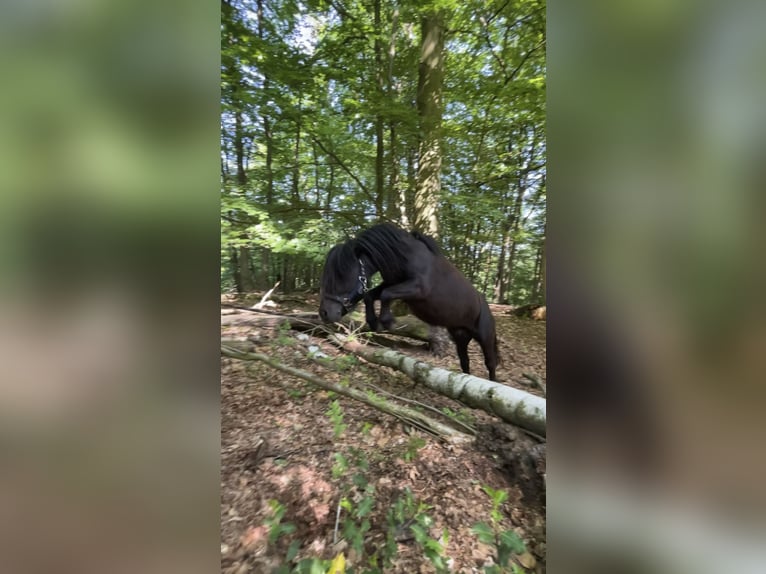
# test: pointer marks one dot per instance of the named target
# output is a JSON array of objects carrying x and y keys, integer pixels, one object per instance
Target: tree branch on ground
[
  {"x": 409, "y": 416},
  {"x": 408, "y": 326},
  {"x": 265, "y": 299}
]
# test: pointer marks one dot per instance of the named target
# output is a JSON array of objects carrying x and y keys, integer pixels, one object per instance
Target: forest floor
[{"x": 278, "y": 443}]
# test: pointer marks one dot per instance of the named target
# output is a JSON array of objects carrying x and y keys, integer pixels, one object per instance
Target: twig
[
  {"x": 536, "y": 382},
  {"x": 533, "y": 434},
  {"x": 265, "y": 298},
  {"x": 337, "y": 522},
  {"x": 467, "y": 428}
]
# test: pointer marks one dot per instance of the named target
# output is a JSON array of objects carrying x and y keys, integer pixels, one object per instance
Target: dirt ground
[{"x": 278, "y": 443}]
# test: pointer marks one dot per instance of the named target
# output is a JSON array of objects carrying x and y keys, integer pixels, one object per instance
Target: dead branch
[
  {"x": 265, "y": 299},
  {"x": 408, "y": 326},
  {"x": 409, "y": 416},
  {"x": 536, "y": 382}
]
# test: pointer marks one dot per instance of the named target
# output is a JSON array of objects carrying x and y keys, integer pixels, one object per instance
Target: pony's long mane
[
  {"x": 341, "y": 261},
  {"x": 388, "y": 248},
  {"x": 429, "y": 241}
]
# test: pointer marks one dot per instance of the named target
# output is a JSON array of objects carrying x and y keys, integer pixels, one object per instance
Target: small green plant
[
  {"x": 366, "y": 428},
  {"x": 433, "y": 549},
  {"x": 463, "y": 415},
  {"x": 340, "y": 467},
  {"x": 505, "y": 542},
  {"x": 276, "y": 528},
  {"x": 283, "y": 336},
  {"x": 408, "y": 513},
  {"x": 413, "y": 446},
  {"x": 356, "y": 524},
  {"x": 336, "y": 416},
  {"x": 346, "y": 362}
]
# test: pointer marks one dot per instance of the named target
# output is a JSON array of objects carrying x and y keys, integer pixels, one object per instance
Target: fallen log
[
  {"x": 511, "y": 405},
  {"x": 408, "y": 326},
  {"x": 410, "y": 416}
]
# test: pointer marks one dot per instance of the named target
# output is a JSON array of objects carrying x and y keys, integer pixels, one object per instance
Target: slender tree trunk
[
  {"x": 407, "y": 196},
  {"x": 429, "y": 103},
  {"x": 239, "y": 149},
  {"x": 543, "y": 268},
  {"x": 379, "y": 147},
  {"x": 393, "y": 164},
  {"x": 474, "y": 253},
  {"x": 316, "y": 174},
  {"x": 246, "y": 282},
  {"x": 500, "y": 274},
  {"x": 264, "y": 275},
  {"x": 235, "y": 271},
  {"x": 330, "y": 184},
  {"x": 513, "y": 244},
  {"x": 536, "y": 275},
  {"x": 487, "y": 272},
  {"x": 393, "y": 174},
  {"x": 295, "y": 186}
]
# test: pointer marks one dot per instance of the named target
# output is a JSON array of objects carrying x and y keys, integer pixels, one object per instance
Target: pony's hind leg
[
  {"x": 462, "y": 338},
  {"x": 489, "y": 348}
]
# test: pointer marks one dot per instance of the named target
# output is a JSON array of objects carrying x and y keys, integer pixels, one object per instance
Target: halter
[{"x": 356, "y": 294}]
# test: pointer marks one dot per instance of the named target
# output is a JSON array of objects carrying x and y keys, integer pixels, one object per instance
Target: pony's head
[{"x": 344, "y": 282}]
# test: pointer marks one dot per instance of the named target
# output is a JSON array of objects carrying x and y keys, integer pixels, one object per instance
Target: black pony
[{"x": 413, "y": 270}]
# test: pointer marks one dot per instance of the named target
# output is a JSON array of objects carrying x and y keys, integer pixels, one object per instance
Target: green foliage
[
  {"x": 302, "y": 91},
  {"x": 464, "y": 416},
  {"x": 414, "y": 444},
  {"x": 276, "y": 528},
  {"x": 336, "y": 417},
  {"x": 340, "y": 466},
  {"x": 505, "y": 542},
  {"x": 359, "y": 505},
  {"x": 433, "y": 549}
]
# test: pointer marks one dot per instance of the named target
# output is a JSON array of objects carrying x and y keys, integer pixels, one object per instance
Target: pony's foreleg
[
  {"x": 369, "y": 306},
  {"x": 412, "y": 289}
]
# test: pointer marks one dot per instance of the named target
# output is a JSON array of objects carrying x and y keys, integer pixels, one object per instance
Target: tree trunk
[
  {"x": 487, "y": 272},
  {"x": 244, "y": 269},
  {"x": 246, "y": 281},
  {"x": 393, "y": 164},
  {"x": 429, "y": 102},
  {"x": 393, "y": 175},
  {"x": 511, "y": 405},
  {"x": 513, "y": 244},
  {"x": 407, "y": 196},
  {"x": 330, "y": 184},
  {"x": 295, "y": 185},
  {"x": 538, "y": 295},
  {"x": 235, "y": 271},
  {"x": 500, "y": 274},
  {"x": 543, "y": 268},
  {"x": 264, "y": 275},
  {"x": 379, "y": 149}
]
